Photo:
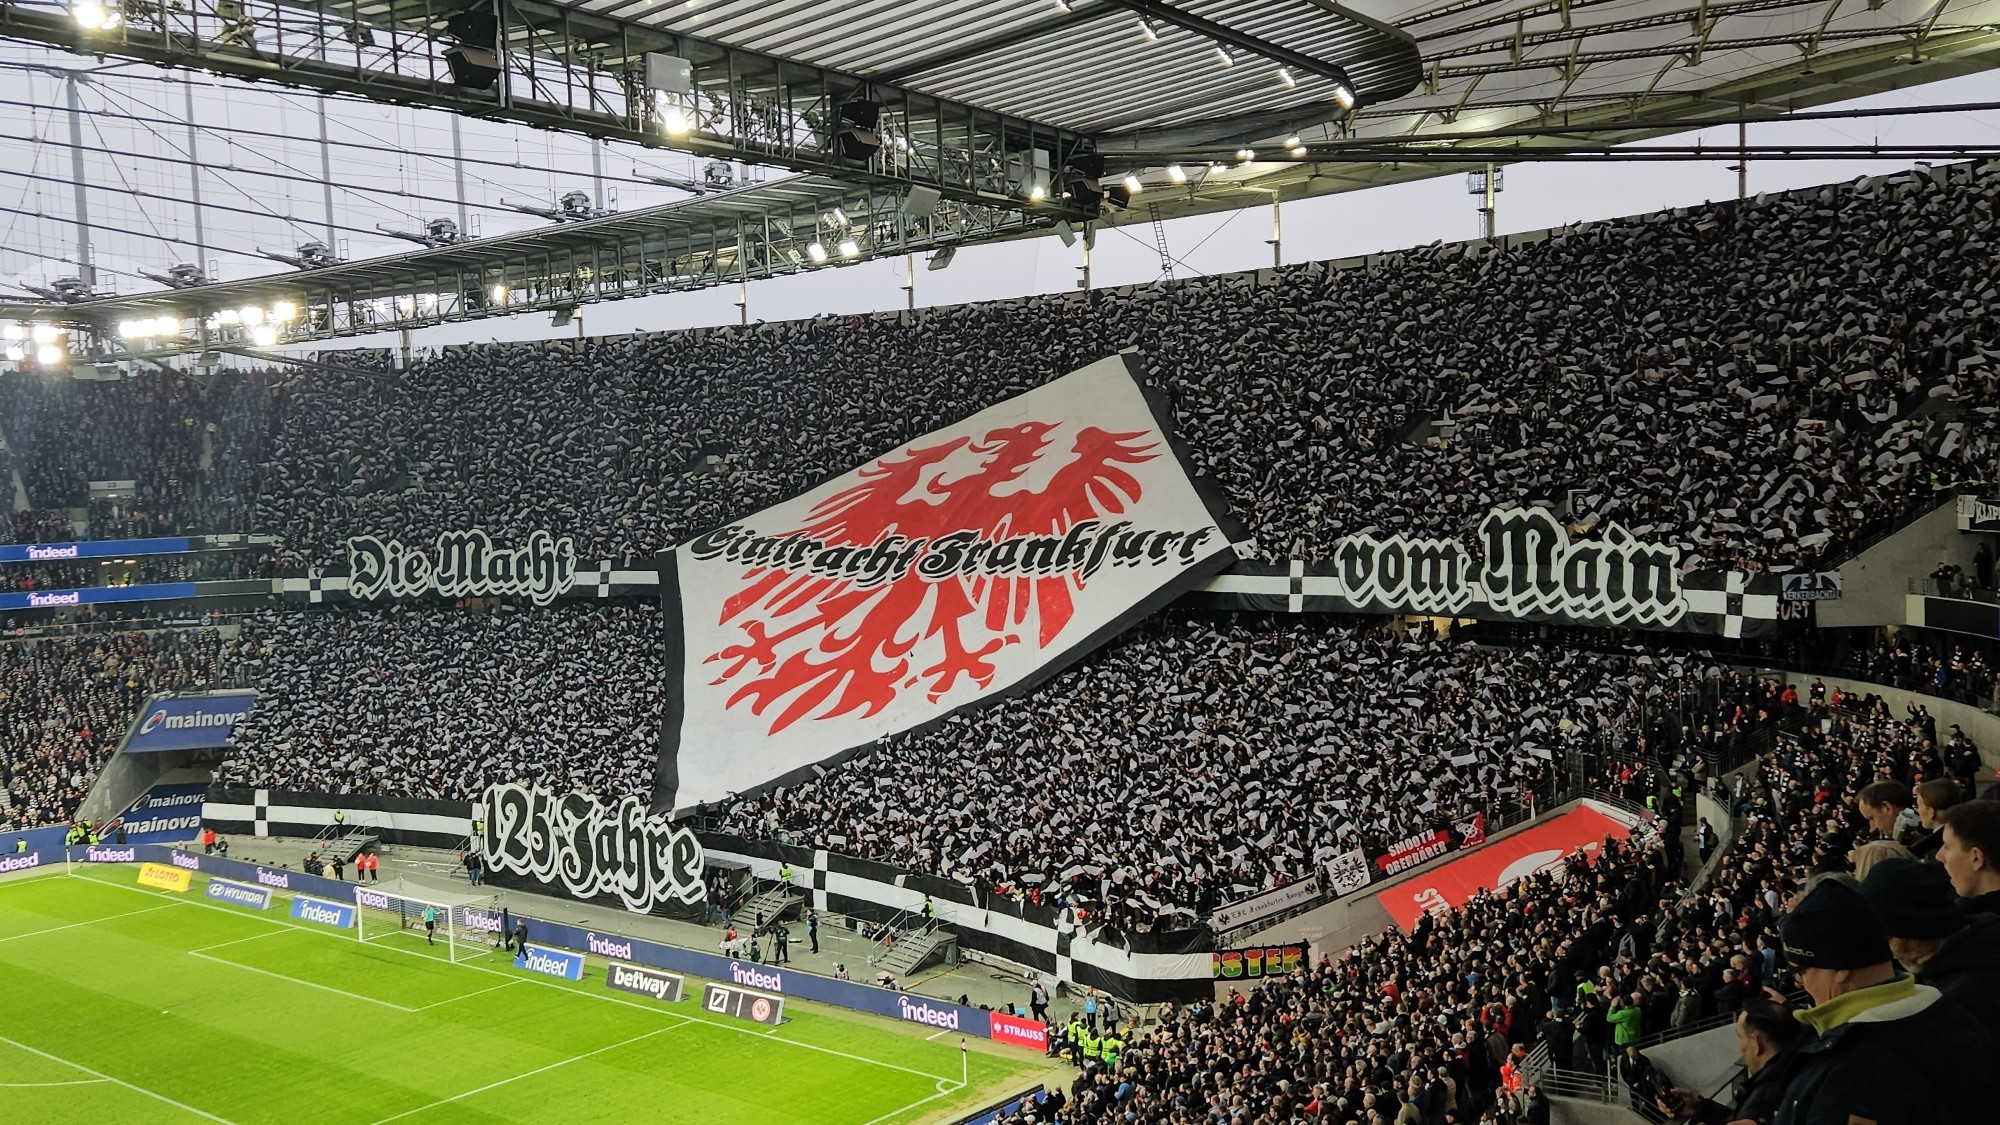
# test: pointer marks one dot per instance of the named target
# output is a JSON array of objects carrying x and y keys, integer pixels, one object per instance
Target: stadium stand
[
  {"x": 66, "y": 701},
  {"x": 1742, "y": 380}
]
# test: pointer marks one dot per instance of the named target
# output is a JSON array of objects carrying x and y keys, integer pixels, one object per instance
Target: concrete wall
[
  {"x": 1703, "y": 1061},
  {"x": 1576, "y": 1111},
  {"x": 1876, "y": 581}
]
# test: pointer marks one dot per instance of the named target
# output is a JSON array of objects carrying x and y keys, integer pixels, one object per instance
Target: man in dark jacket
[
  {"x": 1958, "y": 954},
  {"x": 1768, "y": 1039},
  {"x": 1969, "y": 848},
  {"x": 1883, "y": 1049}
]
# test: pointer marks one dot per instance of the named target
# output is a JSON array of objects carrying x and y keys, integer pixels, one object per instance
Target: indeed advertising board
[
  {"x": 552, "y": 962},
  {"x": 190, "y": 722},
  {"x": 94, "y": 595}
]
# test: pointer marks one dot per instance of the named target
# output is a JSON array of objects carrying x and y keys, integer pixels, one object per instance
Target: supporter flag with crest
[{"x": 971, "y": 563}]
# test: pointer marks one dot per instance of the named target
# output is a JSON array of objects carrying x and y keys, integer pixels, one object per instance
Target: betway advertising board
[{"x": 188, "y": 722}]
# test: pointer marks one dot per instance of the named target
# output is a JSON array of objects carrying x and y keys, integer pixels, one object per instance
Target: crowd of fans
[
  {"x": 1198, "y": 760},
  {"x": 439, "y": 704},
  {"x": 1579, "y": 964},
  {"x": 65, "y": 702},
  {"x": 189, "y": 443},
  {"x": 1738, "y": 380},
  {"x": 1959, "y": 668}
]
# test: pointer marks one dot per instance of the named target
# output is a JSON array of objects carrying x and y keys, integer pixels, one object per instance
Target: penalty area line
[
  {"x": 103, "y": 1077},
  {"x": 531, "y": 1073}
]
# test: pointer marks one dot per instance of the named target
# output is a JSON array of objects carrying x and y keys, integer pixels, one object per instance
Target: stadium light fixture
[
  {"x": 16, "y": 353},
  {"x": 1176, "y": 173},
  {"x": 91, "y": 15},
  {"x": 838, "y": 217},
  {"x": 227, "y": 317},
  {"x": 498, "y": 293},
  {"x": 1343, "y": 95},
  {"x": 817, "y": 253},
  {"x": 1227, "y": 58},
  {"x": 264, "y": 335},
  {"x": 283, "y": 311},
  {"x": 49, "y": 355},
  {"x": 941, "y": 258},
  {"x": 127, "y": 329},
  {"x": 1246, "y": 155},
  {"x": 1298, "y": 150},
  {"x": 849, "y": 248},
  {"x": 1132, "y": 183},
  {"x": 1038, "y": 193},
  {"x": 250, "y": 315},
  {"x": 10, "y": 332},
  {"x": 1149, "y": 29},
  {"x": 1285, "y": 78},
  {"x": 45, "y": 333},
  {"x": 674, "y": 120}
]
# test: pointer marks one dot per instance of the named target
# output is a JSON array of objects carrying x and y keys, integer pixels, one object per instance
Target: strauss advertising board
[{"x": 188, "y": 722}]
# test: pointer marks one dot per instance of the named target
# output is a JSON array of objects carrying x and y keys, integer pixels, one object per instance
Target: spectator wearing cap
[
  {"x": 1883, "y": 1048},
  {"x": 1956, "y": 953},
  {"x": 1969, "y": 848}
]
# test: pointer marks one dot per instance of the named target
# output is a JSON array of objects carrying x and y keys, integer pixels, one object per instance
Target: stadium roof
[{"x": 1657, "y": 65}]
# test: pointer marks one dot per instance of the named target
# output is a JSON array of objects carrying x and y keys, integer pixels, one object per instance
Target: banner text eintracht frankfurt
[{"x": 973, "y": 562}]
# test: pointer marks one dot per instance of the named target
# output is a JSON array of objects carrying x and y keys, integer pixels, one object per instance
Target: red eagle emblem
[{"x": 815, "y": 646}]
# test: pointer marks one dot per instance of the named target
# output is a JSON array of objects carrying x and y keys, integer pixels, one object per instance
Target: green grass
[{"x": 123, "y": 1003}]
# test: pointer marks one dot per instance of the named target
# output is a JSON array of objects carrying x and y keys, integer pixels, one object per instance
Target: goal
[{"x": 394, "y": 912}]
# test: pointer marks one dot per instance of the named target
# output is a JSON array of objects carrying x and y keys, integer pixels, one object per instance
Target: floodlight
[
  {"x": 1176, "y": 173},
  {"x": 283, "y": 311},
  {"x": 817, "y": 253},
  {"x": 849, "y": 248},
  {"x": 46, "y": 333},
  {"x": 48, "y": 355},
  {"x": 264, "y": 335},
  {"x": 1132, "y": 183},
  {"x": 1285, "y": 78},
  {"x": 1343, "y": 95},
  {"x": 499, "y": 294},
  {"x": 250, "y": 315}
]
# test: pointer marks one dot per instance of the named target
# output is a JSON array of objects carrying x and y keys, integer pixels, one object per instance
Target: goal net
[{"x": 394, "y": 911}]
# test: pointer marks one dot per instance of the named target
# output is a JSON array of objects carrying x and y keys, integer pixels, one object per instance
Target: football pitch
[{"x": 118, "y": 1002}]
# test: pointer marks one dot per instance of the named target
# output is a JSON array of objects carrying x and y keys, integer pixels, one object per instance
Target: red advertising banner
[
  {"x": 1019, "y": 1032},
  {"x": 1411, "y": 851},
  {"x": 1499, "y": 864}
]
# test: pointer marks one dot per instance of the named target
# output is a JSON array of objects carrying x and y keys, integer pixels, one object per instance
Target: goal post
[{"x": 393, "y": 912}]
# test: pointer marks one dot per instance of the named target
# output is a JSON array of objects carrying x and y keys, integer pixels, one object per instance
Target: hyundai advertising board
[{"x": 191, "y": 722}]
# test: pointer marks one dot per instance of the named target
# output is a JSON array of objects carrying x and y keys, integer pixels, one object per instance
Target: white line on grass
[
  {"x": 42, "y": 1085},
  {"x": 468, "y": 995},
  {"x": 74, "y": 925},
  {"x": 319, "y": 931},
  {"x": 238, "y": 941},
  {"x": 303, "y": 981},
  {"x": 945, "y": 1086},
  {"x": 531, "y": 1073},
  {"x": 119, "y": 1081}
]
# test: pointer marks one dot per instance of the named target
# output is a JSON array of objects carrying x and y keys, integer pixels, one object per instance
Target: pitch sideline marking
[
  {"x": 531, "y": 1073},
  {"x": 44, "y": 1085},
  {"x": 301, "y": 980},
  {"x": 466, "y": 996},
  {"x": 90, "y": 922},
  {"x": 183, "y": 1106},
  {"x": 528, "y": 980}
]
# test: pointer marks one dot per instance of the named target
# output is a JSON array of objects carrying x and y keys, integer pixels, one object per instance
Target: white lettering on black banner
[
  {"x": 466, "y": 565},
  {"x": 1530, "y": 567},
  {"x": 589, "y": 848}
]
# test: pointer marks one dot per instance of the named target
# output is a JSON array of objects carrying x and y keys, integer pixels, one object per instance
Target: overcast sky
[{"x": 394, "y": 168}]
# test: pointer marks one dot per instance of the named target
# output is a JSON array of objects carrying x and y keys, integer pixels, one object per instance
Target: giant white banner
[{"x": 974, "y": 561}]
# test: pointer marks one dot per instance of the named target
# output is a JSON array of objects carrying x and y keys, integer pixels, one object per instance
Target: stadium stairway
[
  {"x": 771, "y": 905},
  {"x": 916, "y": 950}
]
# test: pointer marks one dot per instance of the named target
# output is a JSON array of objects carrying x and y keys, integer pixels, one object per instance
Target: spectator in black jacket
[
  {"x": 1883, "y": 1048},
  {"x": 1768, "y": 1038},
  {"x": 1956, "y": 953},
  {"x": 1969, "y": 848}
]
